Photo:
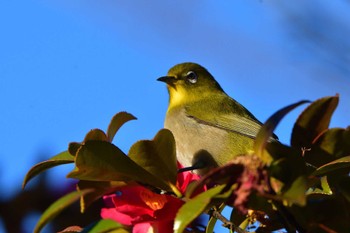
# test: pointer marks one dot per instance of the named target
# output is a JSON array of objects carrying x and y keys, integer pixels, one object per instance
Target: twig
[{"x": 226, "y": 223}]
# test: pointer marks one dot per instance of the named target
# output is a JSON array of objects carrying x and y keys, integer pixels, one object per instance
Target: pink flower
[{"x": 145, "y": 210}]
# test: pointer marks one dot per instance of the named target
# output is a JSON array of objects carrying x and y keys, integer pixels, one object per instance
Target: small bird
[{"x": 210, "y": 128}]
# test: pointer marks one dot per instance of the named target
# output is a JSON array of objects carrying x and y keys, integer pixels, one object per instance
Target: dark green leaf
[
  {"x": 57, "y": 207},
  {"x": 73, "y": 148},
  {"x": 102, "y": 161},
  {"x": 313, "y": 121},
  {"x": 100, "y": 188},
  {"x": 329, "y": 146},
  {"x": 267, "y": 129},
  {"x": 105, "y": 226},
  {"x": 158, "y": 156},
  {"x": 62, "y": 158},
  {"x": 194, "y": 207},
  {"x": 117, "y": 121},
  {"x": 333, "y": 166},
  {"x": 296, "y": 194}
]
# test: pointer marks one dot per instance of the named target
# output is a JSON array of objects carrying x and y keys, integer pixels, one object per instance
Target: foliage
[{"x": 303, "y": 187}]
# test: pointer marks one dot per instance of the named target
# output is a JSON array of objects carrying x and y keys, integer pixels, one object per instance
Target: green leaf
[
  {"x": 117, "y": 121},
  {"x": 296, "y": 194},
  {"x": 333, "y": 166},
  {"x": 73, "y": 148},
  {"x": 96, "y": 135},
  {"x": 329, "y": 146},
  {"x": 158, "y": 156},
  {"x": 102, "y": 161},
  {"x": 61, "y": 158},
  {"x": 313, "y": 121},
  {"x": 266, "y": 131},
  {"x": 195, "y": 207},
  {"x": 57, "y": 207},
  {"x": 286, "y": 167},
  {"x": 100, "y": 188},
  {"x": 105, "y": 226}
]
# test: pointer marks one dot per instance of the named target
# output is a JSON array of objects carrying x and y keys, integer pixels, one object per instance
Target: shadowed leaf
[
  {"x": 73, "y": 148},
  {"x": 313, "y": 121},
  {"x": 62, "y": 158},
  {"x": 158, "y": 156},
  {"x": 342, "y": 163},
  {"x": 57, "y": 207},
  {"x": 267, "y": 129},
  {"x": 117, "y": 121},
  {"x": 102, "y": 161},
  {"x": 100, "y": 188},
  {"x": 329, "y": 146},
  {"x": 104, "y": 226}
]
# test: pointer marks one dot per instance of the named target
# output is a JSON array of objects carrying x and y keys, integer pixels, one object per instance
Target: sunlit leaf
[
  {"x": 57, "y": 207},
  {"x": 96, "y": 135},
  {"x": 269, "y": 126},
  {"x": 117, "y": 121},
  {"x": 296, "y": 194},
  {"x": 313, "y": 121},
  {"x": 194, "y": 207},
  {"x": 158, "y": 156},
  {"x": 105, "y": 226},
  {"x": 61, "y": 158},
  {"x": 102, "y": 161}
]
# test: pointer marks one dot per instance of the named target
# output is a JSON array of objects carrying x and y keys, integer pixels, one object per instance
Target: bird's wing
[{"x": 226, "y": 119}]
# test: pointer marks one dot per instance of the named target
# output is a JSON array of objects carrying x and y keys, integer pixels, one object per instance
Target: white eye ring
[{"x": 192, "y": 77}]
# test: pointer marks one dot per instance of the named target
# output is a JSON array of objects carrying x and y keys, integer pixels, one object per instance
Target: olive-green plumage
[{"x": 209, "y": 127}]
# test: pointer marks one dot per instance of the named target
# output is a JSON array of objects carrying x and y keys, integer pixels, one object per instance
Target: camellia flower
[{"x": 145, "y": 210}]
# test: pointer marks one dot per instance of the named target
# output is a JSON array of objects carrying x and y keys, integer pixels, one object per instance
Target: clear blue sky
[{"x": 68, "y": 66}]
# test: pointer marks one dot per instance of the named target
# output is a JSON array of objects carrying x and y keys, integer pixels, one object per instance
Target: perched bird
[{"x": 210, "y": 128}]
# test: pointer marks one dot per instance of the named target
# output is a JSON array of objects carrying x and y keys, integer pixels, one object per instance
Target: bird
[{"x": 210, "y": 128}]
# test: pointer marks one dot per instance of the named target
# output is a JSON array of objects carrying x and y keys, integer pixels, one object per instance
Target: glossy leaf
[
  {"x": 333, "y": 166},
  {"x": 102, "y": 161},
  {"x": 105, "y": 226},
  {"x": 61, "y": 158},
  {"x": 313, "y": 121},
  {"x": 117, "y": 121},
  {"x": 266, "y": 131},
  {"x": 57, "y": 207},
  {"x": 158, "y": 156},
  {"x": 194, "y": 207}
]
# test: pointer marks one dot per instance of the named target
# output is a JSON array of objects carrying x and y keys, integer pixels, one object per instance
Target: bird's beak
[{"x": 170, "y": 80}]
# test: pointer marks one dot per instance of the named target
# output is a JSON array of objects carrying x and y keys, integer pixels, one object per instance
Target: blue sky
[{"x": 68, "y": 66}]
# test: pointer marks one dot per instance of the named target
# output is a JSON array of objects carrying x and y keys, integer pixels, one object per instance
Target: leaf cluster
[{"x": 301, "y": 187}]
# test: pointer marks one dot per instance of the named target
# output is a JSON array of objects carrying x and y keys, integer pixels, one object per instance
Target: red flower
[{"x": 145, "y": 210}]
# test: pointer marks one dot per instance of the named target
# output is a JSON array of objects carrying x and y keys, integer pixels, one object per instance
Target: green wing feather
[{"x": 225, "y": 113}]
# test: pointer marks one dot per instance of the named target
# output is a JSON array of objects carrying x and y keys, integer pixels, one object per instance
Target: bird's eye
[{"x": 192, "y": 77}]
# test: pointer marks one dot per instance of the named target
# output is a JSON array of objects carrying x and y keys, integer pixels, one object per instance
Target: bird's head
[{"x": 188, "y": 82}]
